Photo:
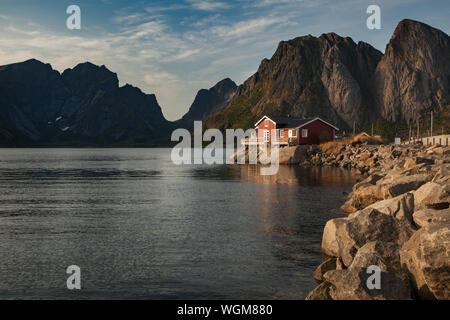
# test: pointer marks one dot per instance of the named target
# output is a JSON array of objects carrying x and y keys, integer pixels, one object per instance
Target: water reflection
[
  {"x": 141, "y": 227},
  {"x": 295, "y": 175}
]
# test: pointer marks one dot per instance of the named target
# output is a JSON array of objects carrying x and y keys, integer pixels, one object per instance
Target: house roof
[{"x": 288, "y": 122}]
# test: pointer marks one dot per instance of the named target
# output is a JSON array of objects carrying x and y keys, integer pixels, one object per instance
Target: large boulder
[
  {"x": 370, "y": 180},
  {"x": 426, "y": 259},
  {"x": 391, "y": 187},
  {"x": 386, "y": 252},
  {"x": 343, "y": 237},
  {"x": 401, "y": 207},
  {"x": 351, "y": 284},
  {"x": 365, "y": 260},
  {"x": 432, "y": 195},
  {"x": 293, "y": 155},
  {"x": 367, "y": 194},
  {"x": 424, "y": 217}
]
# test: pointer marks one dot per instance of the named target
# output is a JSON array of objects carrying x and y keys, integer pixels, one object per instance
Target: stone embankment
[{"x": 398, "y": 219}]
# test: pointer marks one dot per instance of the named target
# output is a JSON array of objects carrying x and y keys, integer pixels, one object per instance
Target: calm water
[{"x": 140, "y": 227}]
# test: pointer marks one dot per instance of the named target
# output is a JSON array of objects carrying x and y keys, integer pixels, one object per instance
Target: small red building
[{"x": 294, "y": 131}]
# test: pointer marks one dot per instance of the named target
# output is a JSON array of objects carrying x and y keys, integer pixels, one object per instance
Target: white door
[{"x": 266, "y": 136}]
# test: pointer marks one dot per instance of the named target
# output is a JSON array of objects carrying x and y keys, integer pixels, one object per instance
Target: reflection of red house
[{"x": 294, "y": 131}]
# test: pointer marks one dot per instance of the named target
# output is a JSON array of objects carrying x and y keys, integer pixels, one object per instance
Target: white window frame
[
  {"x": 266, "y": 136},
  {"x": 304, "y": 133},
  {"x": 281, "y": 133},
  {"x": 291, "y": 133},
  {"x": 266, "y": 123}
]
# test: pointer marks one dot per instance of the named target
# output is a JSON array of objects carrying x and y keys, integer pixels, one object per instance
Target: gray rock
[
  {"x": 351, "y": 284},
  {"x": 343, "y": 237},
  {"x": 432, "y": 195},
  {"x": 426, "y": 260},
  {"x": 402, "y": 184},
  {"x": 389, "y": 252},
  {"x": 424, "y": 217},
  {"x": 401, "y": 207}
]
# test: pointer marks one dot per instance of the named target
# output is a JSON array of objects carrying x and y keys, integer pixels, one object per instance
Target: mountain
[
  {"x": 413, "y": 76},
  {"x": 343, "y": 82},
  {"x": 82, "y": 106},
  {"x": 208, "y": 102},
  {"x": 306, "y": 77},
  {"x": 329, "y": 76}
]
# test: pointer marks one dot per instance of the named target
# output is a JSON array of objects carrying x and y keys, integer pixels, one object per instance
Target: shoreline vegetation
[{"x": 398, "y": 219}]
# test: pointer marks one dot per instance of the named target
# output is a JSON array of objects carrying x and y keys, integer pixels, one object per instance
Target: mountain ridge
[
  {"x": 329, "y": 76},
  {"x": 333, "y": 77},
  {"x": 81, "y": 106}
]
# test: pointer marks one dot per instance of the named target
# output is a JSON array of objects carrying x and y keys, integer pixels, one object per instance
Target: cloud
[
  {"x": 208, "y": 5},
  {"x": 245, "y": 28}
]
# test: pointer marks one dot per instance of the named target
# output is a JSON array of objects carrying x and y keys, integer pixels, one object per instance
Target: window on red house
[{"x": 305, "y": 133}]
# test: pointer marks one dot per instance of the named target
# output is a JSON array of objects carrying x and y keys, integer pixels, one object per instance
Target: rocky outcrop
[
  {"x": 398, "y": 220},
  {"x": 414, "y": 74},
  {"x": 344, "y": 82},
  {"x": 286, "y": 155},
  {"x": 307, "y": 76},
  {"x": 82, "y": 106}
]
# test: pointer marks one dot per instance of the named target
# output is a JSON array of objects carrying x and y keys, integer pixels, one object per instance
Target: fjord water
[{"x": 140, "y": 227}]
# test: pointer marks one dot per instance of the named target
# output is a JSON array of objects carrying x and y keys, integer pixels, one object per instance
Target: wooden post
[
  {"x": 418, "y": 129},
  {"x": 431, "y": 130}
]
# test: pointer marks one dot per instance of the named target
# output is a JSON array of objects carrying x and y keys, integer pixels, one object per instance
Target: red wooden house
[{"x": 294, "y": 131}]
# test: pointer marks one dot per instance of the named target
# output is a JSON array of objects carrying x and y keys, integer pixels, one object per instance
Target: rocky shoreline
[{"x": 398, "y": 220}]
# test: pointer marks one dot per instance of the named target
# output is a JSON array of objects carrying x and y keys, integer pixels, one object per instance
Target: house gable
[
  {"x": 264, "y": 118},
  {"x": 318, "y": 119}
]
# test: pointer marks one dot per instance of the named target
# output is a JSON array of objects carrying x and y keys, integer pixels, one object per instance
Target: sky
[{"x": 174, "y": 48}]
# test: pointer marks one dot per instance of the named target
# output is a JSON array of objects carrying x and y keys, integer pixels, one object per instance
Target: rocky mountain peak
[
  {"x": 208, "y": 102},
  {"x": 90, "y": 74},
  {"x": 413, "y": 77},
  {"x": 343, "y": 82},
  {"x": 224, "y": 86}
]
